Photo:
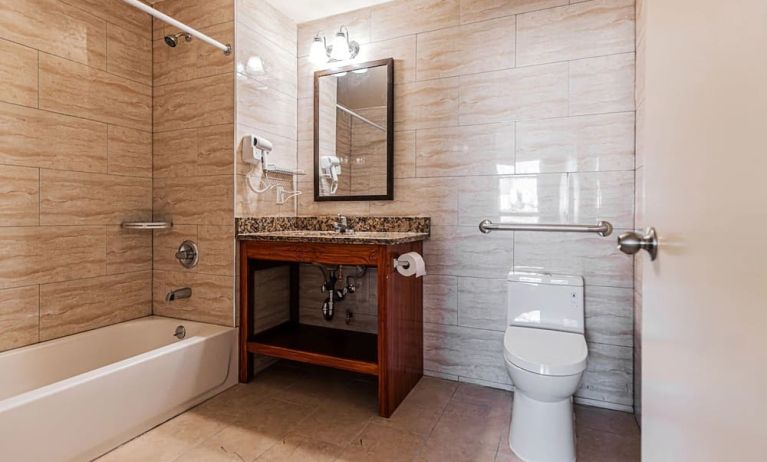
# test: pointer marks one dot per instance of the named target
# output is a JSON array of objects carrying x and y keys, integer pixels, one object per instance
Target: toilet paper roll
[{"x": 411, "y": 264}]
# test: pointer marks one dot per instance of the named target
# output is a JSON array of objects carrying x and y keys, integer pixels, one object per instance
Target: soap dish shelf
[{"x": 151, "y": 225}]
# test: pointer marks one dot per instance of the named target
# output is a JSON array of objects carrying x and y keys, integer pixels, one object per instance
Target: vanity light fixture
[{"x": 342, "y": 48}]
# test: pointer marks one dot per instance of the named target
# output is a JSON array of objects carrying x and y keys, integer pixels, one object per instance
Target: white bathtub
[{"x": 74, "y": 398}]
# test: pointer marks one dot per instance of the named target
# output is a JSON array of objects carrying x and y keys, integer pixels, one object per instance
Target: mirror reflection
[{"x": 353, "y": 145}]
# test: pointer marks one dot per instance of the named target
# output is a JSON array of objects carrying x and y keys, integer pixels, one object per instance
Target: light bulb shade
[
  {"x": 340, "y": 50},
  {"x": 318, "y": 54}
]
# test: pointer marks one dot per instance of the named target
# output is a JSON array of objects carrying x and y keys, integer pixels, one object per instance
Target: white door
[{"x": 702, "y": 138}]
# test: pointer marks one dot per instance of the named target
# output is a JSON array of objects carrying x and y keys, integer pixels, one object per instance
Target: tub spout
[{"x": 178, "y": 294}]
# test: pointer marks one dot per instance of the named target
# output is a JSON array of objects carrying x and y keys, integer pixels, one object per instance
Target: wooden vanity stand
[{"x": 394, "y": 354}]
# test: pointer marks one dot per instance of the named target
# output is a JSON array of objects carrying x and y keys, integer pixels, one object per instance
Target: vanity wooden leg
[{"x": 247, "y": 273}]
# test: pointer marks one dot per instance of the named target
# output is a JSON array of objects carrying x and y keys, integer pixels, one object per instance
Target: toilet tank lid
[{"x": 546, "y": 278}]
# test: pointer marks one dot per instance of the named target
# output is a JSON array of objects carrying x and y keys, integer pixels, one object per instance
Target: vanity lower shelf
[{"x": 341, "y": 349}]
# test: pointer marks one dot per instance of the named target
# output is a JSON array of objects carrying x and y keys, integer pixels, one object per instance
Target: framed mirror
[{"x": 354, "y": 132}]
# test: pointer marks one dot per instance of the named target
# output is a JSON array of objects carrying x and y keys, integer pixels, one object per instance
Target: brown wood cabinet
[{"x": 394, "y": 354}]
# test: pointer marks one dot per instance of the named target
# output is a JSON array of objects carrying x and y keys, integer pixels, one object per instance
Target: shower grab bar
[
  {"x": 227, "y": 49},
  {"x": 603, "y": 228}
]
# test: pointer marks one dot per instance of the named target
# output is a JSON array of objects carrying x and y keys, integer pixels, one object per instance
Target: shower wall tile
[
  {"x": 212, "y": 297},
  {"x": 595, "y": 28},
  {"x": 467, "y": 49},
  {"x": 198, "y": 14},
  {"x": 130, "y": 152},
  {"x": 19, "y": 196},
  {"x": 465, "y": 150},
  {"x": 75, "y": 306},
  {"x": 601, "y": 85},
  {"x": 78, "y": 154},
  {"x": 406, "y": 17},
  {"x": 18, "y": 74},
  {"x": 201, "y": 152},
  {"x": 55, "y": 28},
  {"x": 595, "y": 258},
  {"x": 480, "y": 10},
  {"x": 194, "y": 103},
  {"x": 33, "y": 255},
  {"x": 192, "y": 60},
  {"x": 116, "y": 12},
  {"x": 76, "y": 89},
  {"x": 35, "y": 138},
  {"x": 68, "y": 198},
  {"x": 217, "y": 246},
  {"x": 205, "y": 200},
  {"x": 536, "y": 92},
  {"x": 576, "y": 144},
  {"x": 427, "y": 104},
  {"x": 19, "y": 317},
  {"x": 128, "y": 251},
  {"x": 129, "y": 54}
]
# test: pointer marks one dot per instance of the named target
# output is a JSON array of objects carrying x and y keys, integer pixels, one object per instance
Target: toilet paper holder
[{"x": 398, "y": 264}]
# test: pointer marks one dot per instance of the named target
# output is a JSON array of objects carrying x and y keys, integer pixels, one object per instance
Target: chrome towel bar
[{"x": 603, "y": 228}]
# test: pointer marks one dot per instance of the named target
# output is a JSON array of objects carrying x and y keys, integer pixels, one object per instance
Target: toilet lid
[{"x": 545, "y": 352}]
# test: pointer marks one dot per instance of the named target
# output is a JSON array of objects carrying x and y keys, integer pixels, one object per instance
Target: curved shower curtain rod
[{"x": 226, "y": 48}]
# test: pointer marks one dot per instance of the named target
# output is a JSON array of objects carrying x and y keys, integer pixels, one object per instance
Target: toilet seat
[{"x": 545, "y": 352}]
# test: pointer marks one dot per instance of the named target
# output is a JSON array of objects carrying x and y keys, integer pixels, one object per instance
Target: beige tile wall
[
  {"x": 511, "y": 110},
  {"x": 266, "y": 102},
  {"x": 75, "y": 162},
  {"x": 193, "y": 163}
]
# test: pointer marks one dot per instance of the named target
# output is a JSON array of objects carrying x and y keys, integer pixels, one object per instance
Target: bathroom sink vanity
[{"x": 394, "y": 353}]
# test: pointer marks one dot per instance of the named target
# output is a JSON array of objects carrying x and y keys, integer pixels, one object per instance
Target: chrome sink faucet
[{"x": 342, "y": 225}]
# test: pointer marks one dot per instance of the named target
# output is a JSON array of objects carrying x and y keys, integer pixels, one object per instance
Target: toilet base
[{"x": 542, "y": 431}]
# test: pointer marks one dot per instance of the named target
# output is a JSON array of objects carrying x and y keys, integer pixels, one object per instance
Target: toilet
[{"x": 545, "y": 354}]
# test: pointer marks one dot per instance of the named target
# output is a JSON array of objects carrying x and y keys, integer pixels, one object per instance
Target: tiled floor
[{"x": 300, "y": 413}]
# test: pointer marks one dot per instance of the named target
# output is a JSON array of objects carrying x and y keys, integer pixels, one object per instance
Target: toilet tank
[{"x": 546, "y": 301}]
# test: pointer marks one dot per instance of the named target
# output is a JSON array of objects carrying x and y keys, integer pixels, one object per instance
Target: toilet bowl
[{"x": 545, "y": 354}]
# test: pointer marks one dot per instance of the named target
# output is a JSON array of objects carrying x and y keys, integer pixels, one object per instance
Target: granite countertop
[
  {"x": 364, "y": 237},
  {"x": 367, "y": 230}
]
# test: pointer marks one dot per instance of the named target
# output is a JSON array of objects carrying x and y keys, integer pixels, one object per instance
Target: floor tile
[{"x": 294, "y": 412}]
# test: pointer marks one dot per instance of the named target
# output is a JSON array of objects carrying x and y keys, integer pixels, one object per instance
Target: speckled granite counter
[
  {"x": 367, "y": 230},
  {"x": 384, "y": 238}
]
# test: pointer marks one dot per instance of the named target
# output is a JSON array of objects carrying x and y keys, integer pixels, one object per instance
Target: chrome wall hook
[{"x": 632, "y": 242}]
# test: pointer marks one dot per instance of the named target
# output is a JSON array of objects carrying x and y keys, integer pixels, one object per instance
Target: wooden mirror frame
[{"x": 389, "y": 63}]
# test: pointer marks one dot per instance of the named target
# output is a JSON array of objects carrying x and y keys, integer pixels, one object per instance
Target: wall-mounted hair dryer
[
  {"x": 330, "y": 167},
  {"x": 256, "y": 149}
]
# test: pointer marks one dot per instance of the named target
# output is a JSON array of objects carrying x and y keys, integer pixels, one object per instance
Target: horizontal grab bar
[{"x": 603, "y": 228}]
